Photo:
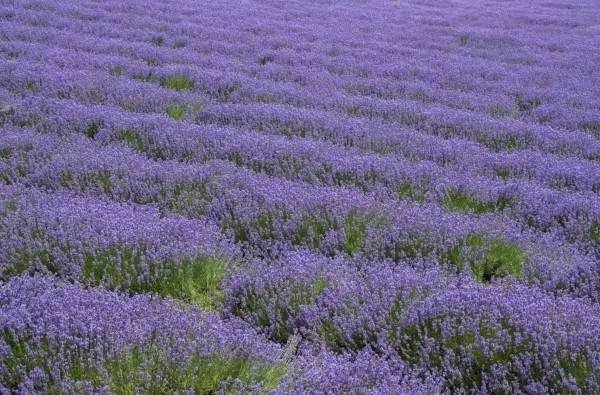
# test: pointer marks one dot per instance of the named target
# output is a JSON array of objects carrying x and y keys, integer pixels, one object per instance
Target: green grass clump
[
  {"x": 177, "y": 112},
  {"x": 104, "y": 179},
  {"x": 26, "y": 261},
  {"x": 413, "y": 247},
  {"x": 92, "y": 130},
  {"x": 204, "y": 375},
  {"x": 197, "y": 281},
  {"x": 463, "y": 202},
  {"x": 177, "y": 82},
  {"x": 475, "y": 352},
  {"x": 311, "y": 231},
  {"x": 336, "y": 341},
  {"x": 355, "y": 228},
  {"x": 488, "y": 259},
  {"x": 261, "y": 227}
]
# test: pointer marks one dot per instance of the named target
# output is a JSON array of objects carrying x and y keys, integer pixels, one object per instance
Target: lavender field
[{"x": 300, "y": 197}]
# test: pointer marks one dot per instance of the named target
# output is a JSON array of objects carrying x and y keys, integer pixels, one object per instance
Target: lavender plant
[{"x": 64, "y": 339}]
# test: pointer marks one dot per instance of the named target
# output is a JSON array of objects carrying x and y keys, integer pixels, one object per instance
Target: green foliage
[
  {"x": 5, "y": 152},
  {"x": 18, "y": 360},
  {"x": 408, "y": 191},
  {"x": 132, "y": 138},
  {"x": 488, "y": 258},
  {"x": 189, "y": 198},
  {"x": 26, "y": 261},
  {"x": 104, "y": 179},
  {"x": 595, "y": 233},
  {"x": 428, "y": 340},
  {"x": 356, "y": 230},
  {"x": 177, "y": 112},
  {"x": 268, "y": 315},
  {"x": 415, "y": 246},
  {"x": 205, "y": 375},
  {"x": 197, "y": 280},
  {"x": 93, "y": 129},
  {"x": 506, "y": 143},
  {"x": 338, "y": 342},
  {"x": 262, "y": 226},
  {"x": 177, "y": 82},
  {"x": 4, "y": 179},
  {"x": 32, "y": 86},
  {"x": 312, "y": 230},
  {"x": 463, "y": 202},
  {"x": 66, "y": 178},
  {"x": 333, "y": 337},
  {"x": 579, "y": 369}
]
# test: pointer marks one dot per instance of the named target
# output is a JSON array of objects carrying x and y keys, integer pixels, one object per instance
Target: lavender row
[
  {"x": 267, "y": 216},
  {"x": 504, "y": 338},
  {"x": 408, "y": 144},
  {"x": 142, "y": 33},
  {"x": 258, "y": 210},
  {"x": 438, "y": 121},
  {"x": 409, "y": 114},
  {"x": 124, "y": 247},
  {"x": 70, "y": 116},
  {"x": 506, "y": 104},
  {"x": 65, "y": 339},
  {"x": 58, "y": 337},
  {"x": 575, "y": 215}
]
